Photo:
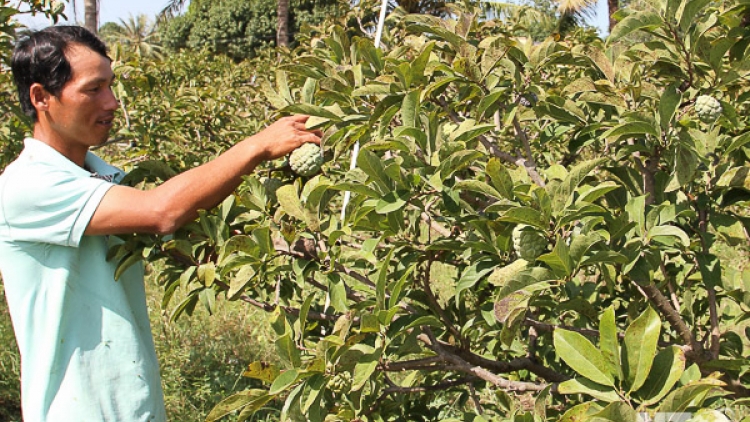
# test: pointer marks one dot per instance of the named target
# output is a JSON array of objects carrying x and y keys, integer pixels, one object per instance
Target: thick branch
[{"x": 695, "y": 350}]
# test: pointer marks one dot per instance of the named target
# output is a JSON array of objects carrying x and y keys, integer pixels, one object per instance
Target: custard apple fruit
[
  {"x": 707, "y": 108},
  {"x": 270, "y": 185},
  {"x": 306, "y": 160},
  {"x": 528, "y": 242}
]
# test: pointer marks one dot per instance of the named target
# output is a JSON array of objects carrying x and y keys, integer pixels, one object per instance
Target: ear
[{"x": 40, "y": 97}]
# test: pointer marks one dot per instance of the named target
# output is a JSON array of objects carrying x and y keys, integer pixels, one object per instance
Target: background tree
[
  {"x": 137, "y": 35},
  {"x": 238, "y": 28},
  {"x": 282, "y": 27},
  {"x": 91, "y": 15}
]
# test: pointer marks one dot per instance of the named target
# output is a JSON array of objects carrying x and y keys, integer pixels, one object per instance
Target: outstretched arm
[{"x": 167, "y": 207}]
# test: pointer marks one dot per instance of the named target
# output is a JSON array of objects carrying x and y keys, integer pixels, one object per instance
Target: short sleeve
[{"x": 45, "y": 204}]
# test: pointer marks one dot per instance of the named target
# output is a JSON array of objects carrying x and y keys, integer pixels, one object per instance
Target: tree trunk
[
  {"x": 614, "y": 5},
  {"x": 282, "y": 28},
  {"x": 91, "y": 15}
]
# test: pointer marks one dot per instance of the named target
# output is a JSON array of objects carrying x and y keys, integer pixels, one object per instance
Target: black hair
[{"x": 40, "y": 58}]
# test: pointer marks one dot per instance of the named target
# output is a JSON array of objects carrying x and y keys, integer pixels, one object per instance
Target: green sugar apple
[
  {"x": 707, "y": 108},
  {"x": 528, "y": 242},
  {"x": 306, "y": 160}
]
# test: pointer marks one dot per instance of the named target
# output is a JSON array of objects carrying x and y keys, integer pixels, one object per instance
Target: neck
[{"x": 73, "y": 152}]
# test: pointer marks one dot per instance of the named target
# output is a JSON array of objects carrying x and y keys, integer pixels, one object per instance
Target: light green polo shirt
[{"x": 87, "y": 352}]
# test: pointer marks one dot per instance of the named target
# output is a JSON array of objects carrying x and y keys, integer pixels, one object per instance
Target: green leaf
[
  {"x": 691, "y": 395},
  {"x": 290, "y": 202},
  {"x": 563, "y": 194},
  {"x": 372, "y": 165},
  {"x": 710, "y": 268},
  {"x": 631, "y": 129},
  {"x": 311, "y": 110},
  {"x": 668, "y": 104},
  {"x": 266, "y": 372},
  {"x": 689, "y": 11},
  {"x": 467, "y": 132},
  {"x": 559, "y": 260},
  {"x": 618, "y": 411},
  {"x": 641, "y": 339},
  {"x": 287, "y": 350},
  {"x": 382, "y": 279},
  {"x": 410, "y": 108},
  {"x": 525, "y": 215},
  {"x": 737, "y": 177},
  {"x": 668, "y": 367},
  {"x": 393, "y": 201},
  {"x": 364, "y": 368},
  {"x": 478, "y": 187},
  {"x": 738, "y": 142},
  {"x": 586, "y": 386},
  {"x": 685, "y": 165},
  {"x": 609, "y": 343},
  {"x": 500, "y": 177},
  {"x": 472, "y": 275},
  {"x": 284, "y": 381},
  {"x": 673, "y": 232},
  {"x": 581, "y": 412},
  {"x": 126, "y": 263},
  {"x": 582, "y": 356},
  {"x": 253, "y": 398},
  {"x": 636, "y": 21}
]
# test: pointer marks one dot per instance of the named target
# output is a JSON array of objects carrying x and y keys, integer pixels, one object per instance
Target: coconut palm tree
[
  {"x": 138, "y": 35},
  {"x": 282, "y": 27},
  {"x": 91, "y": 15}
]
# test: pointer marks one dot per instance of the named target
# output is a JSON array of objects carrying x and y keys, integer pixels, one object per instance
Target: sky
[{"x": 116, "y": 10}]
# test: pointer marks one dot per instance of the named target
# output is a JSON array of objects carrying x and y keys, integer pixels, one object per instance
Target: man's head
[
  {"x": 40, "y": 58},
  {"x": 64, "y": 80}
]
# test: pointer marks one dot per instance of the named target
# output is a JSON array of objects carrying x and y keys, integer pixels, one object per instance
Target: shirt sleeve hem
[{"x": 86, "y": 213}]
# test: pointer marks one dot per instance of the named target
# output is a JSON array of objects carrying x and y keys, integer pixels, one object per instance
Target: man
[{"x": 87, "y": 353}]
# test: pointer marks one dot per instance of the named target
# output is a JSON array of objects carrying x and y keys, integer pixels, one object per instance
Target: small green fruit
[
  {"x": 340, "y": 383},
  {"x": 528, "y": 242},
  {"x": 306, "y": 160},
  {"x": 707, "y": 108}
]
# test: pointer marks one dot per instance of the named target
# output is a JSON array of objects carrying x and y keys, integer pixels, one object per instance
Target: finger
[{"x": 298, "y": 118}]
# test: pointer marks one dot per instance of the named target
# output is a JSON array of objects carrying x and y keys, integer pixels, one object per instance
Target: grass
[{"x": 202, "y": 357}]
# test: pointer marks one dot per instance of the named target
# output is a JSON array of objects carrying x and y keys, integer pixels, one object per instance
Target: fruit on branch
[
  {"x": 707, "y": 108},
  {"x": 306, "y": 160},
  {"x": 340, "y": 383},
  {"x": 528, "y": 242},
  {"x": 270, "y": 185},
  {"x": 528, "y": 99}
]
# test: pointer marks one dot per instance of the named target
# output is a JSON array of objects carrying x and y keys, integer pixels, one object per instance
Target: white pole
[{"x": 355, "y": 150}]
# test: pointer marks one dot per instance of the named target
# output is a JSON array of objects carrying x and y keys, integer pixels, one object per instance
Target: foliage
[
  {"x": 415, "y": 292},
  {"x": 239, "y": 28}
]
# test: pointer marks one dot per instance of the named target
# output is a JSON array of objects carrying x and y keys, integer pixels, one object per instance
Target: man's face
[{"x": 82, "y": 114}]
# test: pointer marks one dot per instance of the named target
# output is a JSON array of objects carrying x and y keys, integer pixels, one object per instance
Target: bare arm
[{"x": 170, "y": 205}]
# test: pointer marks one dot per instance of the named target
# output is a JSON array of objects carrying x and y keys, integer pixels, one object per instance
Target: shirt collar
[{"x": 37, "y": 150}]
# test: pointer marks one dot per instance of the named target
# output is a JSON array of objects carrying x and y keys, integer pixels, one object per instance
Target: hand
[{"x": 284, "y": 136}]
